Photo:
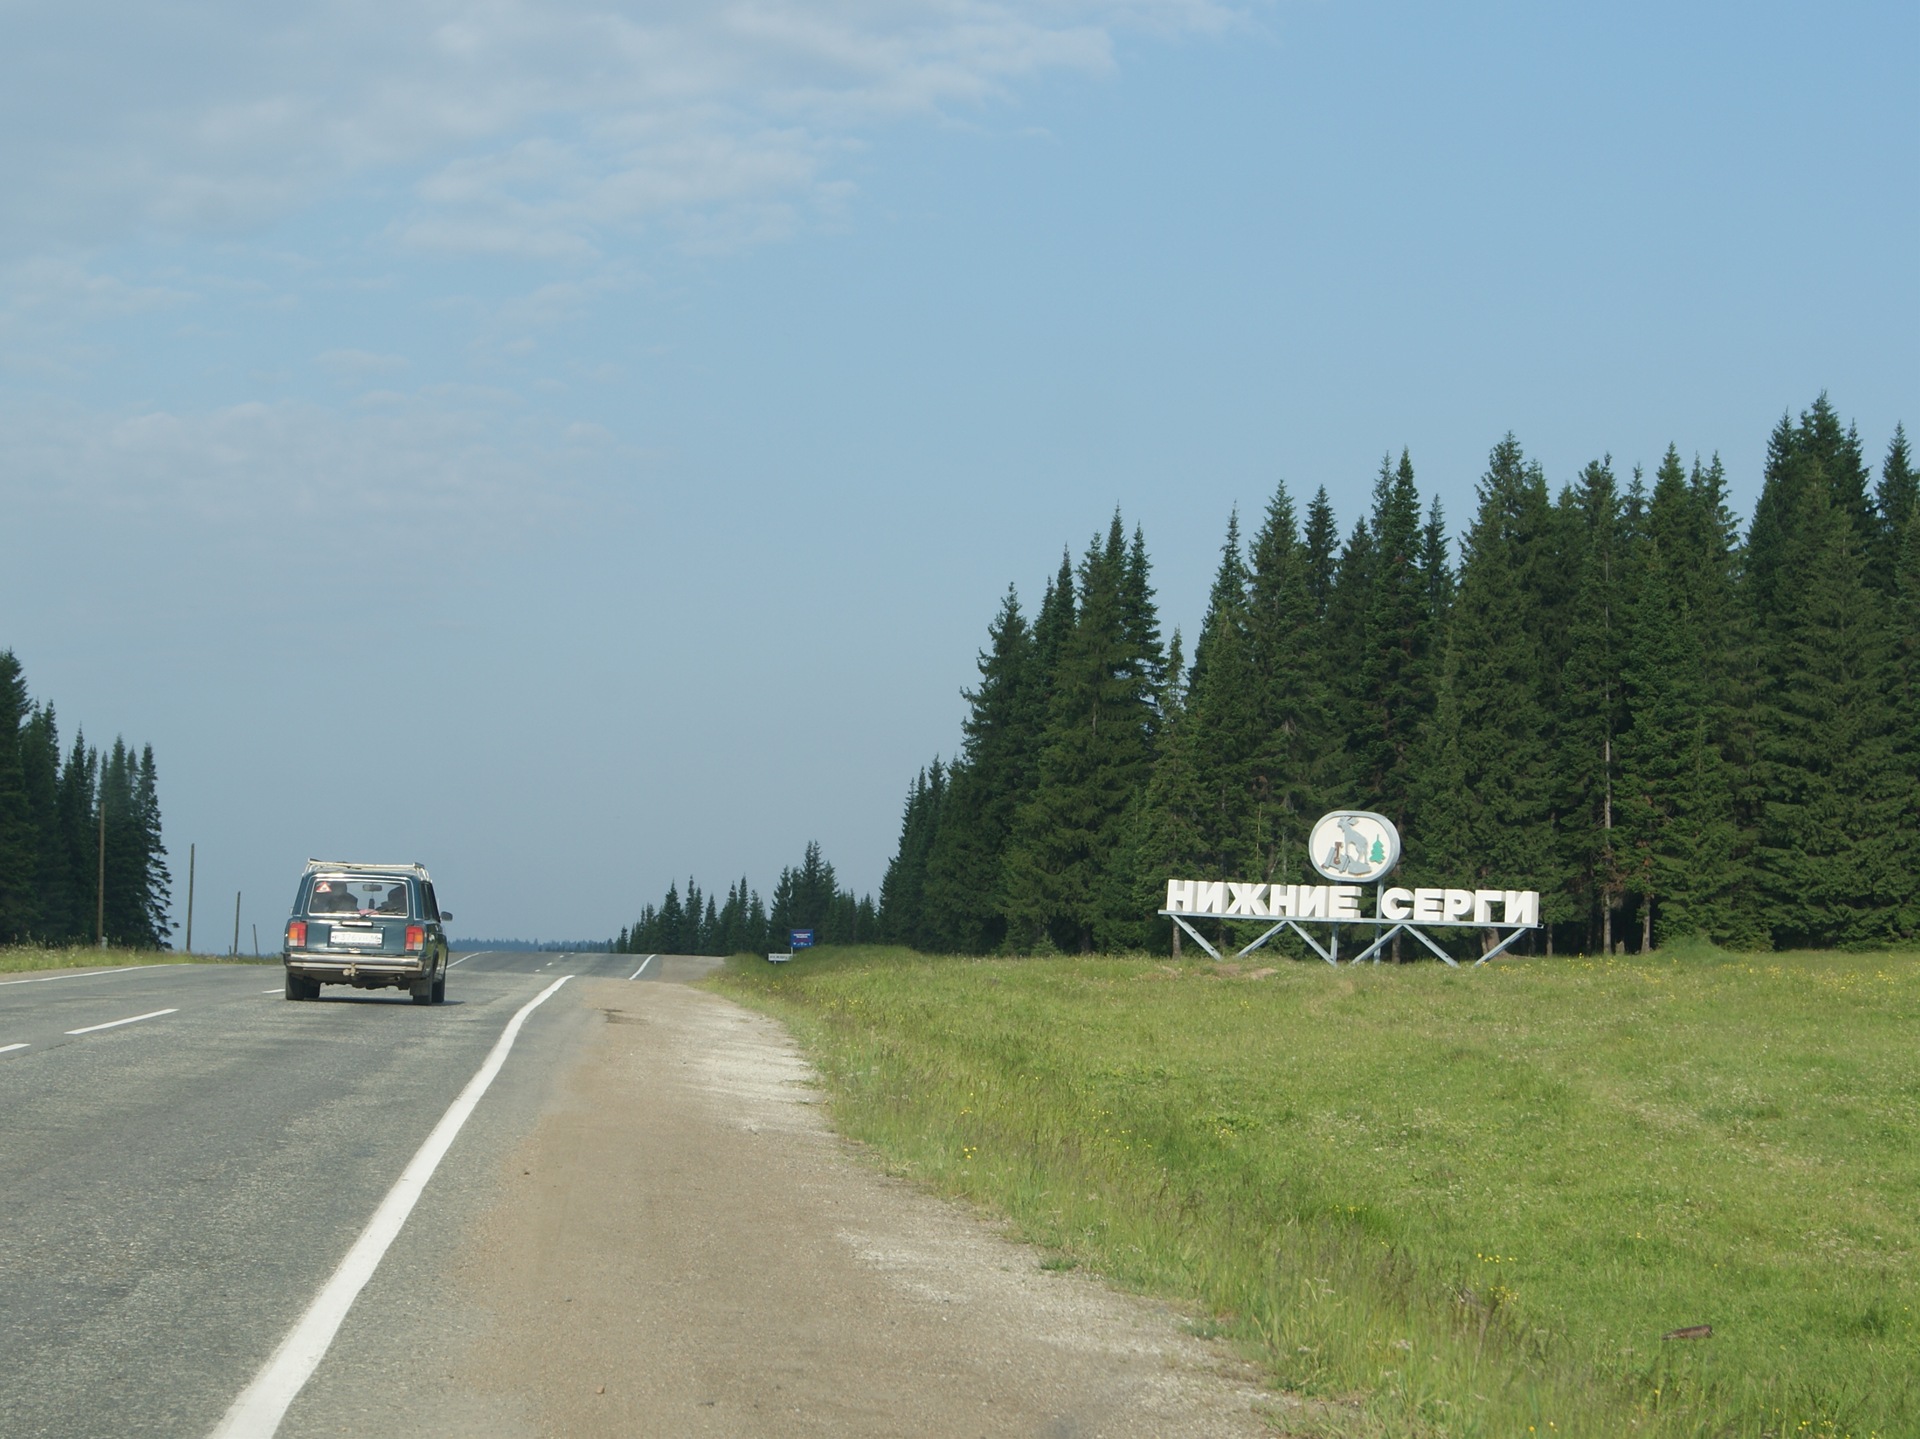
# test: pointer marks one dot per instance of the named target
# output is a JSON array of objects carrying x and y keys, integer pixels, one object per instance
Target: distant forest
[
  {"x": 1667, "y": 726},
  {"x": 807, "y": 896},
  {"x": 54, "y": 813}
]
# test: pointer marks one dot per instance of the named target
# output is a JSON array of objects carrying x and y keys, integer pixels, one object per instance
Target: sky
[{"x": 576, "y": 445}]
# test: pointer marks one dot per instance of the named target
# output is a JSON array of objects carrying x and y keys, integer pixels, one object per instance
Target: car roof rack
[{"x": 342, "y": 866}]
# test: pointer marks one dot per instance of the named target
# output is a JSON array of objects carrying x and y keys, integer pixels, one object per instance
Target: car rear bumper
[{"x": 363, "y": 969}]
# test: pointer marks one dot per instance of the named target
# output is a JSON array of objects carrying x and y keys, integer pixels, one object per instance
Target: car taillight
[
  {"x": 296, "y": 934},
  {"x": 416, "y": 937}
]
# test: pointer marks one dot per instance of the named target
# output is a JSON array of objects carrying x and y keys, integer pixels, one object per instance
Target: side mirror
[{"x": 446, "y": 916}]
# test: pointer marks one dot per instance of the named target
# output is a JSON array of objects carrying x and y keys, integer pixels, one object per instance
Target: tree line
[
  {"x": 1610, "y": 694},
  {"x": 69, "y": 821},
  {"x": 807, "y": 896}
]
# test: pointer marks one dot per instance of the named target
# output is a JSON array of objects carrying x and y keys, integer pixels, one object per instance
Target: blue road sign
[{"x": 799, "y": 939}]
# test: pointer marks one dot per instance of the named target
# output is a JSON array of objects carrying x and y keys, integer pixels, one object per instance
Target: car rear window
[{"x": 357, "y": 894}]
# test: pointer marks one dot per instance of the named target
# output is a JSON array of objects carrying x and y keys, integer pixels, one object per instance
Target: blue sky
[{"x": 572, "y": 444}]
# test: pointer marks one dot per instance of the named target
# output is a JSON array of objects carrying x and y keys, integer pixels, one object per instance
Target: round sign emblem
[{"x": 1354, "y": 845}]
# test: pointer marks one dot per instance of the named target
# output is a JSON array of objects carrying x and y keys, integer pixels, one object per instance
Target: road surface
[{"x": 638, "y": 1224}]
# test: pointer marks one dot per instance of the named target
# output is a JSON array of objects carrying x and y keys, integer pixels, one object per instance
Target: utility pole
[
  {"x": 190, "y": 850},
  {"x": 236, "y": 924},
  {"x": 256, "y": 941},
  {"x": 100, "y": 880}
]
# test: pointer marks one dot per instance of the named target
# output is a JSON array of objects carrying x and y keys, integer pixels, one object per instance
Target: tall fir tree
[
  {"x": 1896, "y": 501},
  {"x": 1836, "y": 795},
  {"x": 40, "y": 761},
  {"x": 1226, "y": 728},
  {"x": 1343, "y": 636},
  {"x": 1296, "y": 769},
  {"x": 20, "y": 913},
  {"x": 1676, "y": 836},
  {"x": 1591, "y": 709},
  {"x": 1096, "y": 751},
  {"x": 903, "y": 891},
  {"x": 964, "y": 906},
  {"x": 1396, "y": 653},
  {"x": 1322, "y": 538},
  {"x": 1487, "y": 783}
]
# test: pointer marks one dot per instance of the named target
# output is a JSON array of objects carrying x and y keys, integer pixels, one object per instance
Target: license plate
[{"x": 350, "y": 937}]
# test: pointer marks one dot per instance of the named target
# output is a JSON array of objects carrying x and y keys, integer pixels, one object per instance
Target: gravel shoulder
[{"x": 681, "y": 1246}]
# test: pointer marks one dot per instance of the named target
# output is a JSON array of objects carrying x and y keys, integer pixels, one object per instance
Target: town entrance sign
[{"x": 1353, "y": 848}]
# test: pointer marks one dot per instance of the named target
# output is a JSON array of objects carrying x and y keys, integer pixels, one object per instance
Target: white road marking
[
  {"x": 93, "y": 973},
  {"x": 9, "y": 1048},
  {"x": 277, "y": 989},
  {"x": 257, "y": 1413},
  {"x": 643, "y": 967},
  {"x": 116, "y": 1023},
  {"x": 464, "y": 958}
]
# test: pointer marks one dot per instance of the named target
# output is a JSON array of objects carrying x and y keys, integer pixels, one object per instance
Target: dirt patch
[{"x": 685, "y": 1248}]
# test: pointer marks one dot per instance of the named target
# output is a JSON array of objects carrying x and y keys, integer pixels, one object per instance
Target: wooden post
[
  {"x": 190, "y": 858},
  {"x": 256, "y": 941},
  {"x": 100, "y": 879},
  {"x": 236, "y": 925}
]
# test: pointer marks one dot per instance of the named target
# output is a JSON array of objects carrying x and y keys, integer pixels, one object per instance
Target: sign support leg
[{"x": 1198, "y": 938}]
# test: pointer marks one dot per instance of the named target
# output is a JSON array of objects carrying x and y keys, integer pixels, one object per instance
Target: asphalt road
[{"x": 185, "y": 1158}]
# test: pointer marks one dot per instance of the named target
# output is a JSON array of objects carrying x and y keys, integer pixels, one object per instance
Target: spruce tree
[
  {"x": 1837, "y": 796},
  {"x": 1343, "y": 636},
  {"x": 1896, "y": 501},
  {"x": 79, "y": 791},
  {"x": 1225, "y": 724},
  {"x": 1677, "y": 837},
  {"x": 1487, "y": 783},
  {"x": 669, "y": 921},
  {"x": 1591, "y": 711},
  {"x": 154, "y": 882},
  {"x": 1228, "y": 597},
  {"x": 987, "y": 786},
  {"x": 1322, "y": 538},
  {"x": 40, "y": 762},
  {"x": 19, "y": 856},
  {"x": 1096, "y": 752},
  {"x": 903, "y": 890},
  {"x": 1294, "y": 772},
  {"x": 1396, "y": 652},
  {"x": 125, "y": 908}
]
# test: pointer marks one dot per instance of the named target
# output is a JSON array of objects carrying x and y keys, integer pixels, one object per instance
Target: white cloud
[
  {"x": 459, "y": 459},
  {"x": 541, "y": 129},
  {"x": 358, "y": 366}
]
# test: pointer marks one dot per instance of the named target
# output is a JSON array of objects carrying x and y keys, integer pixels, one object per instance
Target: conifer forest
[
  {"x": 1668, "y": 724},
  {"x": 68, "y": 819}
]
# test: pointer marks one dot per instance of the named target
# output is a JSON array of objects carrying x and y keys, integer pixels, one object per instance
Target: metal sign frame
[{"x": 1330, "y": 952}]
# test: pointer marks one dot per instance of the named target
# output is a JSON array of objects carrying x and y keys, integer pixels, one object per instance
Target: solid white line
[
  {"x": 257, "y": 1413},
  {"x": 9, "y": 1048},
  {"x": 94, "y": 973},
  {"x": 464, "y": 958},
  {"x": 277, "y": 989},
  {"x": 116, "y": 1023},
  {"x": 643, "y": 967}
]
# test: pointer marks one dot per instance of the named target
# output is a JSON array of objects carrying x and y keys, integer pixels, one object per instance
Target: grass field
[
  {"x": 23, "y": 960},
  {"x": 1437, "y": 1202}
]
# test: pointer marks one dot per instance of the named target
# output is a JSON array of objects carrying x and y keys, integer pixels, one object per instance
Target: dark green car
[{"x": 373, "y": 926}]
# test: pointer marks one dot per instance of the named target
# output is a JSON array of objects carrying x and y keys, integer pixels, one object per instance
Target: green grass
[
  {"x": 24, "y": 959},
  {"x": 1437, "y": 1202}
]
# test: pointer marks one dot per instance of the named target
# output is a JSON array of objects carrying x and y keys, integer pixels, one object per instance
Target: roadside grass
[
  {"x": 26, "y": 958},
  {"x": 1436, "y": 1202}
]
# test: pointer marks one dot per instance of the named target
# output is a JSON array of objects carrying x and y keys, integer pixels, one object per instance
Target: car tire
[
  {"x": 440, "y": 988},
  {"x": 422, "y": 995},
  {"x": 299, "y": 987}
]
